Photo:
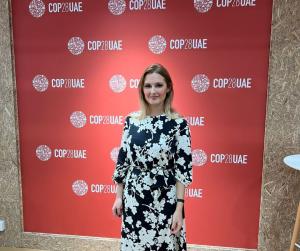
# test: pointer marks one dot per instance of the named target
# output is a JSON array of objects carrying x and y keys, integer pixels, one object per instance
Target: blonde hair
[{"x": 168, "y": 109}]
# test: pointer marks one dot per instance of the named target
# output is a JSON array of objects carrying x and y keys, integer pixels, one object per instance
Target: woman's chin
[{"x": 154, "y": 102}]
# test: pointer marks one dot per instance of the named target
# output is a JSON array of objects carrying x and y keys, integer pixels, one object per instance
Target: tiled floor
[{"x": 18, "y": 249}]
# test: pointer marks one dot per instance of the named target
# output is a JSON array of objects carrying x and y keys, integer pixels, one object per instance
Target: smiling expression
[{"x": 155, "y": 89}]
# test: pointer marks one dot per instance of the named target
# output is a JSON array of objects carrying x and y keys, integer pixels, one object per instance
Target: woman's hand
[
  {"x": 177, "y": 221},
  {"x": 117, "y": 208}
]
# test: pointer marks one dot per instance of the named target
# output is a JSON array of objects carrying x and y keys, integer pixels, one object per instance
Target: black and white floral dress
[{"x": 154, "y": 153}]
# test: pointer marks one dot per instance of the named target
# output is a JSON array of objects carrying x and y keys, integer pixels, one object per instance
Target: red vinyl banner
[{"x": 78, "y": 65}]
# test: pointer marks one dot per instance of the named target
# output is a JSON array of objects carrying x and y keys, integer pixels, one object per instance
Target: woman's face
[{"x": 155, "y": 89}]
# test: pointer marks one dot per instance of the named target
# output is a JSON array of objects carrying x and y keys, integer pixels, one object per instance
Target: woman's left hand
[{"x": 177, "y": 221}]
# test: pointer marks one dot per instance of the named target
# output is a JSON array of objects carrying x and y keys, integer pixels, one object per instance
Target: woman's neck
[{"x": 154, "y": 111}]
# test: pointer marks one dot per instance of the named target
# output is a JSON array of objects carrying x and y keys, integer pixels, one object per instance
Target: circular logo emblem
[
  {"x": 37, "y": 8},
  {"x": 203, "y": 5},
  {"x": 43, "y": 152},
  {"x": 200, "y": 83},
  {"x": 78, "y": 119},
  {"x": 157, "y": 44},
  {"x": 76, "y": 45},
  {"x": 40, "y": 83},
  {"x": 80, "y": 187},
  {"x": 116, "y": 7},
  {"x": 114, "y": 154},
  {"x": 199, "y": 157},
  {"x": 117, "y": 83}
]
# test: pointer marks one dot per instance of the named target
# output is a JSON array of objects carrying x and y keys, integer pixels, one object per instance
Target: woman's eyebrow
[{"x": 146, "y": 83}]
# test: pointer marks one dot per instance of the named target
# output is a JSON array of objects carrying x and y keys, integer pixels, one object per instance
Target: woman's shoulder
[
  {"x": 175, "y": 115},
  {"x": 178, "y": 118},
  {"x": 134, "y": 114}
]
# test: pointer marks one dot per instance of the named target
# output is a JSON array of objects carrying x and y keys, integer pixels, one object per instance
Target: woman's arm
[
  {"x": 117, "y": 208},
  {"x": 177, "y": 220},
  {"x": 183, "y": 172},
  {"x": 121, "y": 171}
]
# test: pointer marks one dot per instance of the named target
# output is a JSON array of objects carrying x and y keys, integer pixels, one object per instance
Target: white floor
[{"x": 17, "y": 249}]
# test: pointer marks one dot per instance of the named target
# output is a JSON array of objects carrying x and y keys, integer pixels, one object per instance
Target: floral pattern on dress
[{"x": 155, "y": 152}]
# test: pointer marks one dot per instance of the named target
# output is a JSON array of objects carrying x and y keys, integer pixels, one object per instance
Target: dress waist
[{"x": 159, "y": 176}]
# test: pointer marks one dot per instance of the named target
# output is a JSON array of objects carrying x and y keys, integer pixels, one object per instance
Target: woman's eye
[{"x": 156, "y": 85}]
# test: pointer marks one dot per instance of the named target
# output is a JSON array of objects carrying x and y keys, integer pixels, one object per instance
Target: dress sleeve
[
  {"x": 122, "y": 161},
  {"x": 183, "y": 155}
]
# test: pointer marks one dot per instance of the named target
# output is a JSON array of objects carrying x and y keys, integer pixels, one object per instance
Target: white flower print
[
  {"x": 171, "y": 195},
  {"x": 154, "y": 153},
  {"x": 180, "y": 161},
  {"x": 154, "y": 150},
  {"x": 129, "y": 220},
  {"x": 146, "y": 236},
  {"x": 183, "y": 143}
]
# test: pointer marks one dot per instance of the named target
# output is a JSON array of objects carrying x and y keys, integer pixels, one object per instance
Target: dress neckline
[{"x": 156, "y": 116}]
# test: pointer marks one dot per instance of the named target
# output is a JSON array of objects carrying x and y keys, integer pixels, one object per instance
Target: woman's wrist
[
  {"x": 119, "y": 193},
  {"x": 179, "y": 204}
]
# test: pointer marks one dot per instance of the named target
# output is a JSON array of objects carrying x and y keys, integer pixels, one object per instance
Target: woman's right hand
[{"x": 117, "y": 208}]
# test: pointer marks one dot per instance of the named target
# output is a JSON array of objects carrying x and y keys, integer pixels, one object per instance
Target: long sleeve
[
  {"x": 183, "y": 155},
  {"x": 123, "y": 161}
]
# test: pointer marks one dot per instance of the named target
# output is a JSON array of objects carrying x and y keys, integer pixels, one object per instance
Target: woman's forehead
[{"x": 154, "y": 78}]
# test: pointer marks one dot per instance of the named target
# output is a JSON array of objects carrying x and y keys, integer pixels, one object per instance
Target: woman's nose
[{"x": 152, "y": 89}]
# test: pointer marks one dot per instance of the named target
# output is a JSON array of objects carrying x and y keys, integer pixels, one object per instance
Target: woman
[{"x": 154, "y": 166}]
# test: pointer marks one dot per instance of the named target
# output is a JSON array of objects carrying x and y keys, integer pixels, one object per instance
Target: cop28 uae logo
[
  {"x": 117, "y": 83},
  {"x": 203, "y": 5},
  {"x": 76, "y": 45},
  {"x": 78, "y": 119},
  {"x": 200, "y": 83},
  {"x": 199, "y": 157},
  {"x": 80, "y": 187},
  {"x": 37, "y": 8},
  {"x": 114, "y": 154},
  {"x": 40, "y": 83},
  {"x": 116, "y": 7},
  {"x": 157, "y": 44},
  {"x": 43, "y": 152}
]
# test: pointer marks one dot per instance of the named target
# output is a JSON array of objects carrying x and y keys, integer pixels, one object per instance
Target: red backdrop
[{"x": 77, "y": 66}]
